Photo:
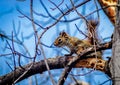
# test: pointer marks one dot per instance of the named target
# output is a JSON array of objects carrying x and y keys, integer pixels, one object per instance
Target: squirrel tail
[
  {"x": 92, "y": 27},
  {"x": 93, "y": 36}
]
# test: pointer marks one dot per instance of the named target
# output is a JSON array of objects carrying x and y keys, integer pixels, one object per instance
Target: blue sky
[{"x": 9, "y": 14}]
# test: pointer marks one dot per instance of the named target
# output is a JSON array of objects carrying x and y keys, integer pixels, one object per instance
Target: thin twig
[
  {"x": 97, "y": 10},
  {"x": 81, "y": 31},
  {"x": 47, "y": 66},
  {"x": 36, "y": 51},
  {"x": 56, "y": 5},
  {"x": 34, "y": 28},
  {"x": 30, "y": 19},
  {"x": 68, "y": 13},
  {"x": 74, "y": 8},
  {"x": 48, "y": 27},
  {"x": 9, "y": 66}
]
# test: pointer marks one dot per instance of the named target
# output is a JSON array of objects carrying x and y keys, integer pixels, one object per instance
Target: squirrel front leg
[{"x": 79, "y": 50}]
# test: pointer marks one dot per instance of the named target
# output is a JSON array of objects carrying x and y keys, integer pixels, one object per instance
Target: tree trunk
[{"x": 115, "y": 60}]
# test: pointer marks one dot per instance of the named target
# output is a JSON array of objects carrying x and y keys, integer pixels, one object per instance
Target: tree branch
[{"x": 55, "y": 63}]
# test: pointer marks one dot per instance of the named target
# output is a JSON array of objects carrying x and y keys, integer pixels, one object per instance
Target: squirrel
[{"x": 74, "y": 44}]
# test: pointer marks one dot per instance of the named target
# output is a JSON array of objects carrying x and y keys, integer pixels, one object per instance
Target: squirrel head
[{"x": 62, "y": 39}]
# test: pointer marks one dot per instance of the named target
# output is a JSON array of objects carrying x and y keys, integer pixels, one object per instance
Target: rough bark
[
  {"x": 115, "y": 60},
  {"x": 38, "y": 67}
]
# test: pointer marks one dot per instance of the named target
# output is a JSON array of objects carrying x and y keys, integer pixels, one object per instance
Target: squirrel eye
[{"x": 59, "y": 40}]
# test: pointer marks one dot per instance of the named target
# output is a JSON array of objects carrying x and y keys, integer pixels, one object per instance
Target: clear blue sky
[{"x": 9, "y": 14}]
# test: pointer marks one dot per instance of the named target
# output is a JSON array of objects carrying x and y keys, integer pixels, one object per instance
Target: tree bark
[{"x": 115, "y": 60}]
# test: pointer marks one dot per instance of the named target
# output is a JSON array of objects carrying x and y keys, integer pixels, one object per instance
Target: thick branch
[{"x": 54, "y": 63}]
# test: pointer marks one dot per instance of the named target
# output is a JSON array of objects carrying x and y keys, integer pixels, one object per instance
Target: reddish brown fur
[
  {"x": 74, "y": 44},
  {"x": 110, "y": 11}
]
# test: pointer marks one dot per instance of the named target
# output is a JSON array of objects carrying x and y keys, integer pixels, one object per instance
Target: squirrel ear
[
  {"x": 64, "y": 34},
  {"x": 60, "y": 33}
]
